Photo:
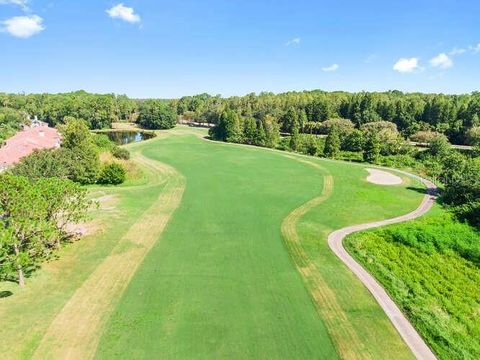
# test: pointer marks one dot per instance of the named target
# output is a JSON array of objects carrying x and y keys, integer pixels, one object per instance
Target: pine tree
[
  {"x": 294, "y": 139},
  {"x": 332, "y": 143},
  {"x": 372, "y": 148}
]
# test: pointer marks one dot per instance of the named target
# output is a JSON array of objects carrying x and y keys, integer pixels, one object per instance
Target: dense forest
[
  {"x": 99, "y": 111},
  {"x": 451, "y": 115}
]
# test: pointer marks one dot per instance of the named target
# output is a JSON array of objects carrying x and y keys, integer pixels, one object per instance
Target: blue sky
[{"x": 233, "y": 47}]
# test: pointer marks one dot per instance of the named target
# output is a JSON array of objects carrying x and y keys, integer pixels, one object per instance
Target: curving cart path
[{"x": 401, "y": 323}]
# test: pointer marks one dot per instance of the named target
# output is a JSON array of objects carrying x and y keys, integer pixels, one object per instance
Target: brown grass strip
[
  {"x": 76, "y": 330},
  {"x": 344, "y": 336}
]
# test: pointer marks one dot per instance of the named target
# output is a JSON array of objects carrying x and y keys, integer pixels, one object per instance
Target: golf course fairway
[{"x": 220, "y": 252}]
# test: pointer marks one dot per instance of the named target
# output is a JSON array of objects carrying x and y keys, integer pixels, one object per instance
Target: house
[{"x": 37, "y": 136}]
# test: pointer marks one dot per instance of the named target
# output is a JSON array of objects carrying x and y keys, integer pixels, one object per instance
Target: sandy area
[{"x": 381, "y": 177}]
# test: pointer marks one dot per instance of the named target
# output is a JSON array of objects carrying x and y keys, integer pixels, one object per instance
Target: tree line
[
  {"x": 97, "y": 110},
  {"x": 451, "y": 115}
]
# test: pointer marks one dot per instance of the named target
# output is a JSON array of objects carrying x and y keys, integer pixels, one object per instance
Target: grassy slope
[
  {"x": 220, "y": 284},
  {"x": 446, "y": 308}
]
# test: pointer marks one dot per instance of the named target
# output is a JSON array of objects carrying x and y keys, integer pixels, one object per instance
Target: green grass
[
  {"x": 431, "y": 268},
  {"x": 220, "y": 283}
]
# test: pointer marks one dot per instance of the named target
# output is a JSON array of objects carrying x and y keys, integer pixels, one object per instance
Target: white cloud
[
  {"x": 475, "y": 48},
  {"x": 406, "y": 65},
  {"x": 124, "y": 13},
  {"x": 294, "y": 41},
  {"x": 441, "y": 61},
  {"x": 457, "y": 51},
  {"x": 23, "y": 26},
  {"x": 22, "y": 3},
  {"x": 331, "y": 68}
]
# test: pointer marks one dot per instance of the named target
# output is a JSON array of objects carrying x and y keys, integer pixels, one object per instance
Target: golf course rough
[{"x": 240, "y": 270}]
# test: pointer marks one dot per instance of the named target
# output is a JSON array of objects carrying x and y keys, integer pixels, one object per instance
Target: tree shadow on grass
[
  {"x": 424, "y": 191},
  {"x": 5, "y": 294},
  {"x": 420, "y": 190}
]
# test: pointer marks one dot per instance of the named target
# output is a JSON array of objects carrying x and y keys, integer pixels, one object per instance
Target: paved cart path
[{"x": 401, "y": 323}]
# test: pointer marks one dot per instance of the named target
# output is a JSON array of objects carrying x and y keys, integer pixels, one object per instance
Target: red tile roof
[{"x": 26, "y": 141}]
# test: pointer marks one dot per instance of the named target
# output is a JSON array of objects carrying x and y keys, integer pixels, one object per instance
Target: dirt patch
[
  {"x": 380, "y": 177},
  {"x": 107, "y": 202}
]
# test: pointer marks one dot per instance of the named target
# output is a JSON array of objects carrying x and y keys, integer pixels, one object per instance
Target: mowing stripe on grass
[
  {"x": 343, "y": 335},
  {"x": 75, "y": 331}
]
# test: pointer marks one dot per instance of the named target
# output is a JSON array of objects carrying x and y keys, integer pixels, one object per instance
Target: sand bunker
[{"x": 381, "y": 177}]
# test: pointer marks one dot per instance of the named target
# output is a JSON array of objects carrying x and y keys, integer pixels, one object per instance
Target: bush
[
  {"x": 112, "y": 174},
  {"x": 351, "y": 156},
  {"x": 424, "y": 136},
  {"x": 311, "y": 145},
  {"x": 103, "y": 142},
  {"x": 397, "y": 161},
  {"x": 121, "y": 153}
]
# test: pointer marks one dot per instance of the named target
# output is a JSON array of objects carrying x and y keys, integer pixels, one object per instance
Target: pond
[{"x": 127, "y": 137}]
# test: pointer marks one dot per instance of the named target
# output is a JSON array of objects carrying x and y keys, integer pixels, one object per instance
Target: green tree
[
  {"x": 156, "y": 114},
  {"x": 23, "y": 213},
  {"x": 84, "y": 164},
  {"x": 354, "y": 141},
  {"x": 233, "y": 126},
  {"x": 294, "y": 139},
  {"x": 473, "y": 136},
  {"x": 302, "y": 119},
  {"x": 261, "y": 137},
  {"x": 311, "y": 145},
  {"x": 33, "y": 219},
  {"x": 372, "y": 148},
  {"x": 45, "y": 164},
  {"x": 66, "y": 203},
  {"x": 332, "y": 143},
  {"x": 272, "y": 131},
  {"x": 290, "y": 120},
  {"x": 461, "y": 176},
  {"x": 249, "y": 130},
  {"x": 439, "y": 146}
]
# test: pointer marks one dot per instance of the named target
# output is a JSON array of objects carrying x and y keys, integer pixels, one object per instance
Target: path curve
[{"x": 335, "y": 240}]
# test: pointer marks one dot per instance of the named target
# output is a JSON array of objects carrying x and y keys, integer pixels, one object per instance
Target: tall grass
[{"x": 431, "y": 268}]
